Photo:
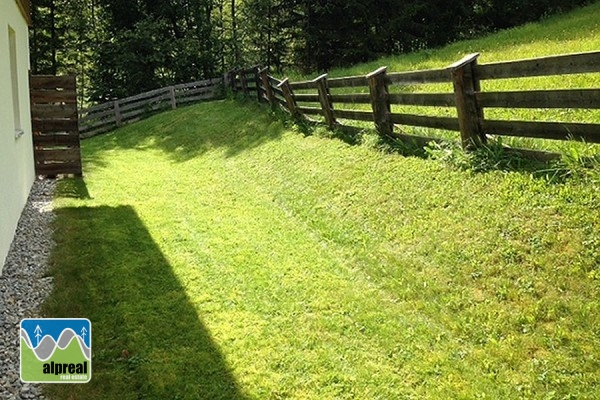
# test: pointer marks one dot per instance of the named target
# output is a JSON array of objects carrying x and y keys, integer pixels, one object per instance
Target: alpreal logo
[{"x": 56, "y": 350}]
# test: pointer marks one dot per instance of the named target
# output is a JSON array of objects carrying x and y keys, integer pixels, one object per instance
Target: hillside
[
  {"x": 578, "y": 31},
  {"x": 224, "y": 254}
]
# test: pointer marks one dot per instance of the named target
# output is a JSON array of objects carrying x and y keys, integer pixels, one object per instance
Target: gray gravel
[{"x": 24, "y": 286}]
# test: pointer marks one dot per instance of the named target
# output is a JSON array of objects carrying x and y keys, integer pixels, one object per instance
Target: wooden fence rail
[
  {"x": 467, "y": 97},
  {"x": 107, "y": 116}
]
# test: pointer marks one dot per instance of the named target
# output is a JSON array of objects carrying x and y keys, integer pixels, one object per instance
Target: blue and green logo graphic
[{"x": 56, "y": 350}]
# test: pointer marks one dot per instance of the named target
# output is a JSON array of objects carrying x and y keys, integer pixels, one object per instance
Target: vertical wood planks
[
  {"x": 469, "y": 114},
  {"x": 54, "y": 122},
  {"x": 380, "y": 101},
  {"x": 172, "y": 95},
  {"x": 118, "y": 116},
  {"x": 244, "y": 81},
  {"x": 325, "y": 99},
  {"x": 267, "y": 85},
  {"x": 289, "y": 97}
]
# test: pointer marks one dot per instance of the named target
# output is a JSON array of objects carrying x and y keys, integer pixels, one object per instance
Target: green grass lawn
[
  {"x": 577, "y": 31},
  {"x": 221, "y": 253}
]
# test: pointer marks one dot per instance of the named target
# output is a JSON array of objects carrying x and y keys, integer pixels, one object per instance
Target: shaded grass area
[
  {"x": 291, "y": 265},
  {"x": 147, "y": 338},
  {"x": 577, "y": 31}
]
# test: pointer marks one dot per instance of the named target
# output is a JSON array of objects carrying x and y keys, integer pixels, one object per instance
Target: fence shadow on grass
[{"x": 148, "y": 340}]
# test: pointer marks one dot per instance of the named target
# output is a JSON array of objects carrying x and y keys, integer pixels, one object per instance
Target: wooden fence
[
  {"x": 467, "y": 97},
  {"x": 54, "y": 125},
  {"x": 107, "y": 116}
]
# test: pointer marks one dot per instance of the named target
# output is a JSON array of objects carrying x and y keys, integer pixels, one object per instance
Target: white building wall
[{"x": 17, "y": 171}]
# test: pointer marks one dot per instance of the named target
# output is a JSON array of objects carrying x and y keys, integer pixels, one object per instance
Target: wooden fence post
[
  {"x": 379, "y": 90},
  {"x": 118, "y": 117},
  {"x": 267, "y": 85},
  {"x": 173, "y": 99},
  {"x": 232, "y": 79},
  {"x": 227, "y": 79},
  {"x": 325, "y": 99},
  {"x": 244, "y": 81},
  {"x": 257, "y": 81},
  {"x": 289, "y": 97},
  {"x": 469, "y": 113}
]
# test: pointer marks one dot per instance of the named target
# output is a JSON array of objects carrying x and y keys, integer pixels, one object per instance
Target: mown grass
[
  {"x": 222, "y": 253},
  {"x": 578, "y": 31}
]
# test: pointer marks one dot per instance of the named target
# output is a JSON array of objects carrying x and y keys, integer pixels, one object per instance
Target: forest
[{"x": 123, "y": 47}]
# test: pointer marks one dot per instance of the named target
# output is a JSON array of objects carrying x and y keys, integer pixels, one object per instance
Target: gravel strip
[{"x": 24, "y": 286}]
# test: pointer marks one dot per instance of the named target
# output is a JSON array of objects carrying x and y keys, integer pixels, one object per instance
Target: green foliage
[
  {"x": 492, "y": 156},
  {"x": 120, "y": 48}
]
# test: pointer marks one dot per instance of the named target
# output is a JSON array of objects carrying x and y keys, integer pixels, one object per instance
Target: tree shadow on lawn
[
  {"x": 185, "y": 133},
  {"x": 148, "y": 341}
]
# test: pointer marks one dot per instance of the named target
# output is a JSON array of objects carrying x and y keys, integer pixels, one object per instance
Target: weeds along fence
[
  {"x": 314, "y": 97},
  {"x": 107, "y": 116}
]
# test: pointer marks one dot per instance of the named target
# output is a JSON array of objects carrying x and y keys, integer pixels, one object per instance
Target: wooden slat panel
[
  {"x": 145, "y": 95},
  {"x": 546, "y": 130},
  {"x": 54, "y": 120},
  {"x": 356, "y": 115},
  {"x": 97, "y": 108},
  {"x": 56, "y": 169},
  {"x": 303, "y": 85},
  {"x": 421, "y": 76},
  {"x": 53, "y": 125},
  {"x": 134, "y": 113},
  {"x": 52, "y": 82},
  {"x": 347, "y": 81},
  {"x": 56, "y": 140},
  {"x": 196, "y": 98},
  {"x": 146, "y": 102},
  {"x": 53, "y": 96},
  {"x": 423, "y": 99},
  {"x": 193, "y": 91},
  {"x": 306, "y": 97},
  {"x": 447, "y": 123},
  {"x": 543, "y": 66},
  {"x": 204, "y": 83},
  {"x": 60, "y": 155},
  {"x": 137, "y": 112},
  {"x": 355, "y": 98},
  {"x": 310, "y": 110},
  {"x": 576, "y": 98},
  {"x": 96, "y": 115},
  {"x": 54, "y": 111}
]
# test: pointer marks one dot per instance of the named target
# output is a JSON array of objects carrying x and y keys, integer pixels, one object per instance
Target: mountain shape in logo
[{"x": 47, "y": 346}]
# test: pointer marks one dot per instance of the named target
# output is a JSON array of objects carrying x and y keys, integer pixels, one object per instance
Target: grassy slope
[
  {"x": 293, "y": 266},
  {"x": 578, "y": 31}
]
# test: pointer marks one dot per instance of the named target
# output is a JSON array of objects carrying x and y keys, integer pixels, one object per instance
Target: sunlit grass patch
[{"x": 223, "y": 253}]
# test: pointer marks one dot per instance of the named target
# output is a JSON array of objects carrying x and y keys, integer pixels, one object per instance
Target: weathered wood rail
[
  {"x": 467, "y": 98},
  {"x": 107, "y": 116},
  {"x": 56, "y": 146}
]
